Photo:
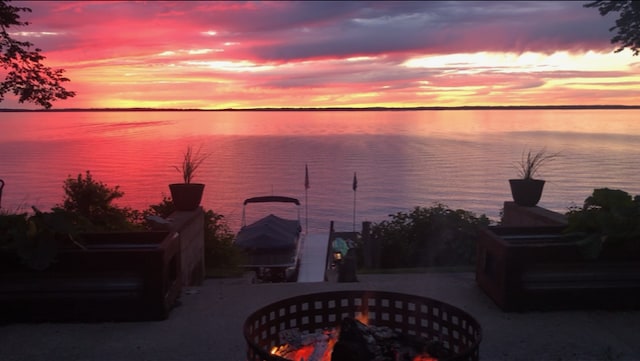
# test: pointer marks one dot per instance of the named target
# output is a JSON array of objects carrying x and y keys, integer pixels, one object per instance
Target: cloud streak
[{"x": 324, "y": 54}]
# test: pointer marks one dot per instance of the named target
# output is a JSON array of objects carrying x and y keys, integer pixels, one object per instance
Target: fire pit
[{"x": 453, "y": 329}]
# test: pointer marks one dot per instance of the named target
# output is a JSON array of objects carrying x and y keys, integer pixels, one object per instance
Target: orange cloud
[{"x": 325, "y": 54}]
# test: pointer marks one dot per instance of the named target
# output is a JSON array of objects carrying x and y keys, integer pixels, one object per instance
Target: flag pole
[
  {"x": 306, "y": 198},
  {"x": 355, "y": 187}
]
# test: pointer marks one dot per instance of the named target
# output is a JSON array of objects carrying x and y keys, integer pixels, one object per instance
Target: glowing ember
[
  {"x": 307, "y": 347},
  {"x": 424, "y": 358},
  {"x": 357, "y": 342},
  {"x": 363, "y": 318}
]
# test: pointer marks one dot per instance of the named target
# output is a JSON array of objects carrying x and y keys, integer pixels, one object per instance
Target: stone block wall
[
  {"x": 519, "y": 216},
  {"x": 190, "y": 227}
]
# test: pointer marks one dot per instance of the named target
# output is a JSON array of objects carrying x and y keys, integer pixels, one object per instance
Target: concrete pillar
[
  {"x": 519, "y": 216},
  {"x": 190, "y": 227}
]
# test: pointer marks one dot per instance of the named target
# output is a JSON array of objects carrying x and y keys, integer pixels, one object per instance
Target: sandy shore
[{"x": 208, "y": 325}]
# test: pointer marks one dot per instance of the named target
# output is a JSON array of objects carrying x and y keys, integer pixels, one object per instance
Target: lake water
[{"x": 403, "y": 159}]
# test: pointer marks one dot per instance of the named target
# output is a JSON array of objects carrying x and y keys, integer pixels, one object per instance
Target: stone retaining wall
[
  {"x": 519, "y": 216},
  {"x": 190, "y": 226}
]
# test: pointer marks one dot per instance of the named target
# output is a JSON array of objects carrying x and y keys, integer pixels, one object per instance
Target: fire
[
  {"x": 321, "y": 348},
  {"x": 305, "y": 352},
  {"x": 317, "y": 351},
  {"x": 424, "y": 358},
  {"x": 363, "y": 317}
]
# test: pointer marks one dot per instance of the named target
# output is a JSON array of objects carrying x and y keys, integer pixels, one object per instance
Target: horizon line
[{"x": 464, "y": 107}]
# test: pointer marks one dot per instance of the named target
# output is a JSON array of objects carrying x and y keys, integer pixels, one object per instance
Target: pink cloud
[{"x": 187, "y": 50}]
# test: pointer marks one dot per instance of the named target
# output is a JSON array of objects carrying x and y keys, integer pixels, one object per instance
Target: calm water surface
[{"x": 403, "y": 159}]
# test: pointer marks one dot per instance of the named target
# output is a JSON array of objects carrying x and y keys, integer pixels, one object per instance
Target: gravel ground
[{"x": 208, "y": 325}]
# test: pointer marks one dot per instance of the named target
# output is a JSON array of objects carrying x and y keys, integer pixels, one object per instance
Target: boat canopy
[
  {"x": 266, "y": 199},
  {"x": 270, "y": 232}
]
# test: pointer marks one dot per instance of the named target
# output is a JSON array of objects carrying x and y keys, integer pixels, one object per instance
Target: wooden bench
[
  {"x": 539, "y": 269},
  {"x": 117, "y": 277},
  {"x": 602, "y": 285}
]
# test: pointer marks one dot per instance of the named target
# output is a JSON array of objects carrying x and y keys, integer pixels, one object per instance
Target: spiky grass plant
[
  {"x": 190, "y": 163},
  {"x": 530, "y": 164}
]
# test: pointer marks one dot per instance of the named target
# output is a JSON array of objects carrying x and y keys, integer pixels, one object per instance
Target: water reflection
[{"x": 403, "y": 159}]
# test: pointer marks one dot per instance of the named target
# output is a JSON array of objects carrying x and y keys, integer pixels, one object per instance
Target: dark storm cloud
[
  {"x": 445, "y": 27},
  {"x": 283, "y": 31}
]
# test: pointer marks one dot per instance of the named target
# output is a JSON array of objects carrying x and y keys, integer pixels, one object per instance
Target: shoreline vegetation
[{"x": 301, "y": 109}]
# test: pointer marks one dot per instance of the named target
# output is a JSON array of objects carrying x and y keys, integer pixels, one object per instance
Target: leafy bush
[
  {"x": 218, "y": 242},
  {"x": 90, "y": 202},
  {"x": 87, "y": 206},
  {"x": 35, "y": 238},
  {"x": 162, "y": 209},
  {"x": 610, "y": 218},
  {"x": 218, "y": 237},
  {"x": 13, "y": 229},
  {"x": 435, "y": 236}
]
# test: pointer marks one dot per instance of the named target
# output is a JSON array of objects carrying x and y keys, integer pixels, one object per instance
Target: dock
[{"x": 313, "y": 258}]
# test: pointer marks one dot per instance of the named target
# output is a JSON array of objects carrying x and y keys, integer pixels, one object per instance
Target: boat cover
[{"x": 269, "y": 233}]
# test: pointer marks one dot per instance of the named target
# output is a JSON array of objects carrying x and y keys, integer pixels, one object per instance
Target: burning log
[
  {"x": 356, "y": 341},
  {"x": 299, "y": 346},
  {"x": 359, "y": 342}
]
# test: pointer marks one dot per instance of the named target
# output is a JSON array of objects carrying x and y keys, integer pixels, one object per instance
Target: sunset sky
[{"x": 214, "y": 55}]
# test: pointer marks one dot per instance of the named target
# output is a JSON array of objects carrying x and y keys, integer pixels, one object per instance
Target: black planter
[
  {"x": 526, "y": 192},
  {"x": 186, "y": 197}
]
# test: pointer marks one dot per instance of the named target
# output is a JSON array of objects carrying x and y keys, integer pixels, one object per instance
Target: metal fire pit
[{"x": 412, "y": 315}]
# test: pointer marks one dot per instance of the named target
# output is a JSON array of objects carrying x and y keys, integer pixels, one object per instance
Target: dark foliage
[
  {"x": 218, "y": 242},
  {"x": 162, "y": 209},
  {"x": 218, "y": 237},
  {"x": 27, "y": 77},
  {"x": 87, "y": 207},
  {"x": 90, "y": 202},
  {"x": 627, "y": 24},
  {"x": 610, "y": 218},
  {"x": 436, "y": 236},
  {"x": 35, "y": 238}
]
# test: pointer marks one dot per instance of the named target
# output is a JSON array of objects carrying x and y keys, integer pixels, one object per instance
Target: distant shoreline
[{"x": 506, "y": 107}]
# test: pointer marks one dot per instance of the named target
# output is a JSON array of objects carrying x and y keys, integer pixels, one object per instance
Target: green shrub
[
  {"x": 90, "y": 202},
  {"x": 610, "y": 219},
  {"x": 35, "y": 238},
  {"x": 218, "y": 237},
  {"x": 13, "y": 229},
  {"x": 162, "y": 209},
  {"x": 424, "y": 237},
  {"x": 87, "y": 207},
  {"x": 218, "y": 242}
]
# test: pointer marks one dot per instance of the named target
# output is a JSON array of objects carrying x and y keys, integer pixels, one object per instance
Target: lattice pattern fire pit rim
[{"x": 281, "y": 312}]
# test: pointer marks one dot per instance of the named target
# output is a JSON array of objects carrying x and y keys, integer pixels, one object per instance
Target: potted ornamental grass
[
  {"x": 527, "y": 190},
  {"x": 187, "y": 196}
]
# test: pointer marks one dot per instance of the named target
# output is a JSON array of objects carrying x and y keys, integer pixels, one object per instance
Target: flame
[
  {"x": 305, "y": 352},
  {"x": 424, "y": 357},
  {"x": 363, "y": 317}
]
